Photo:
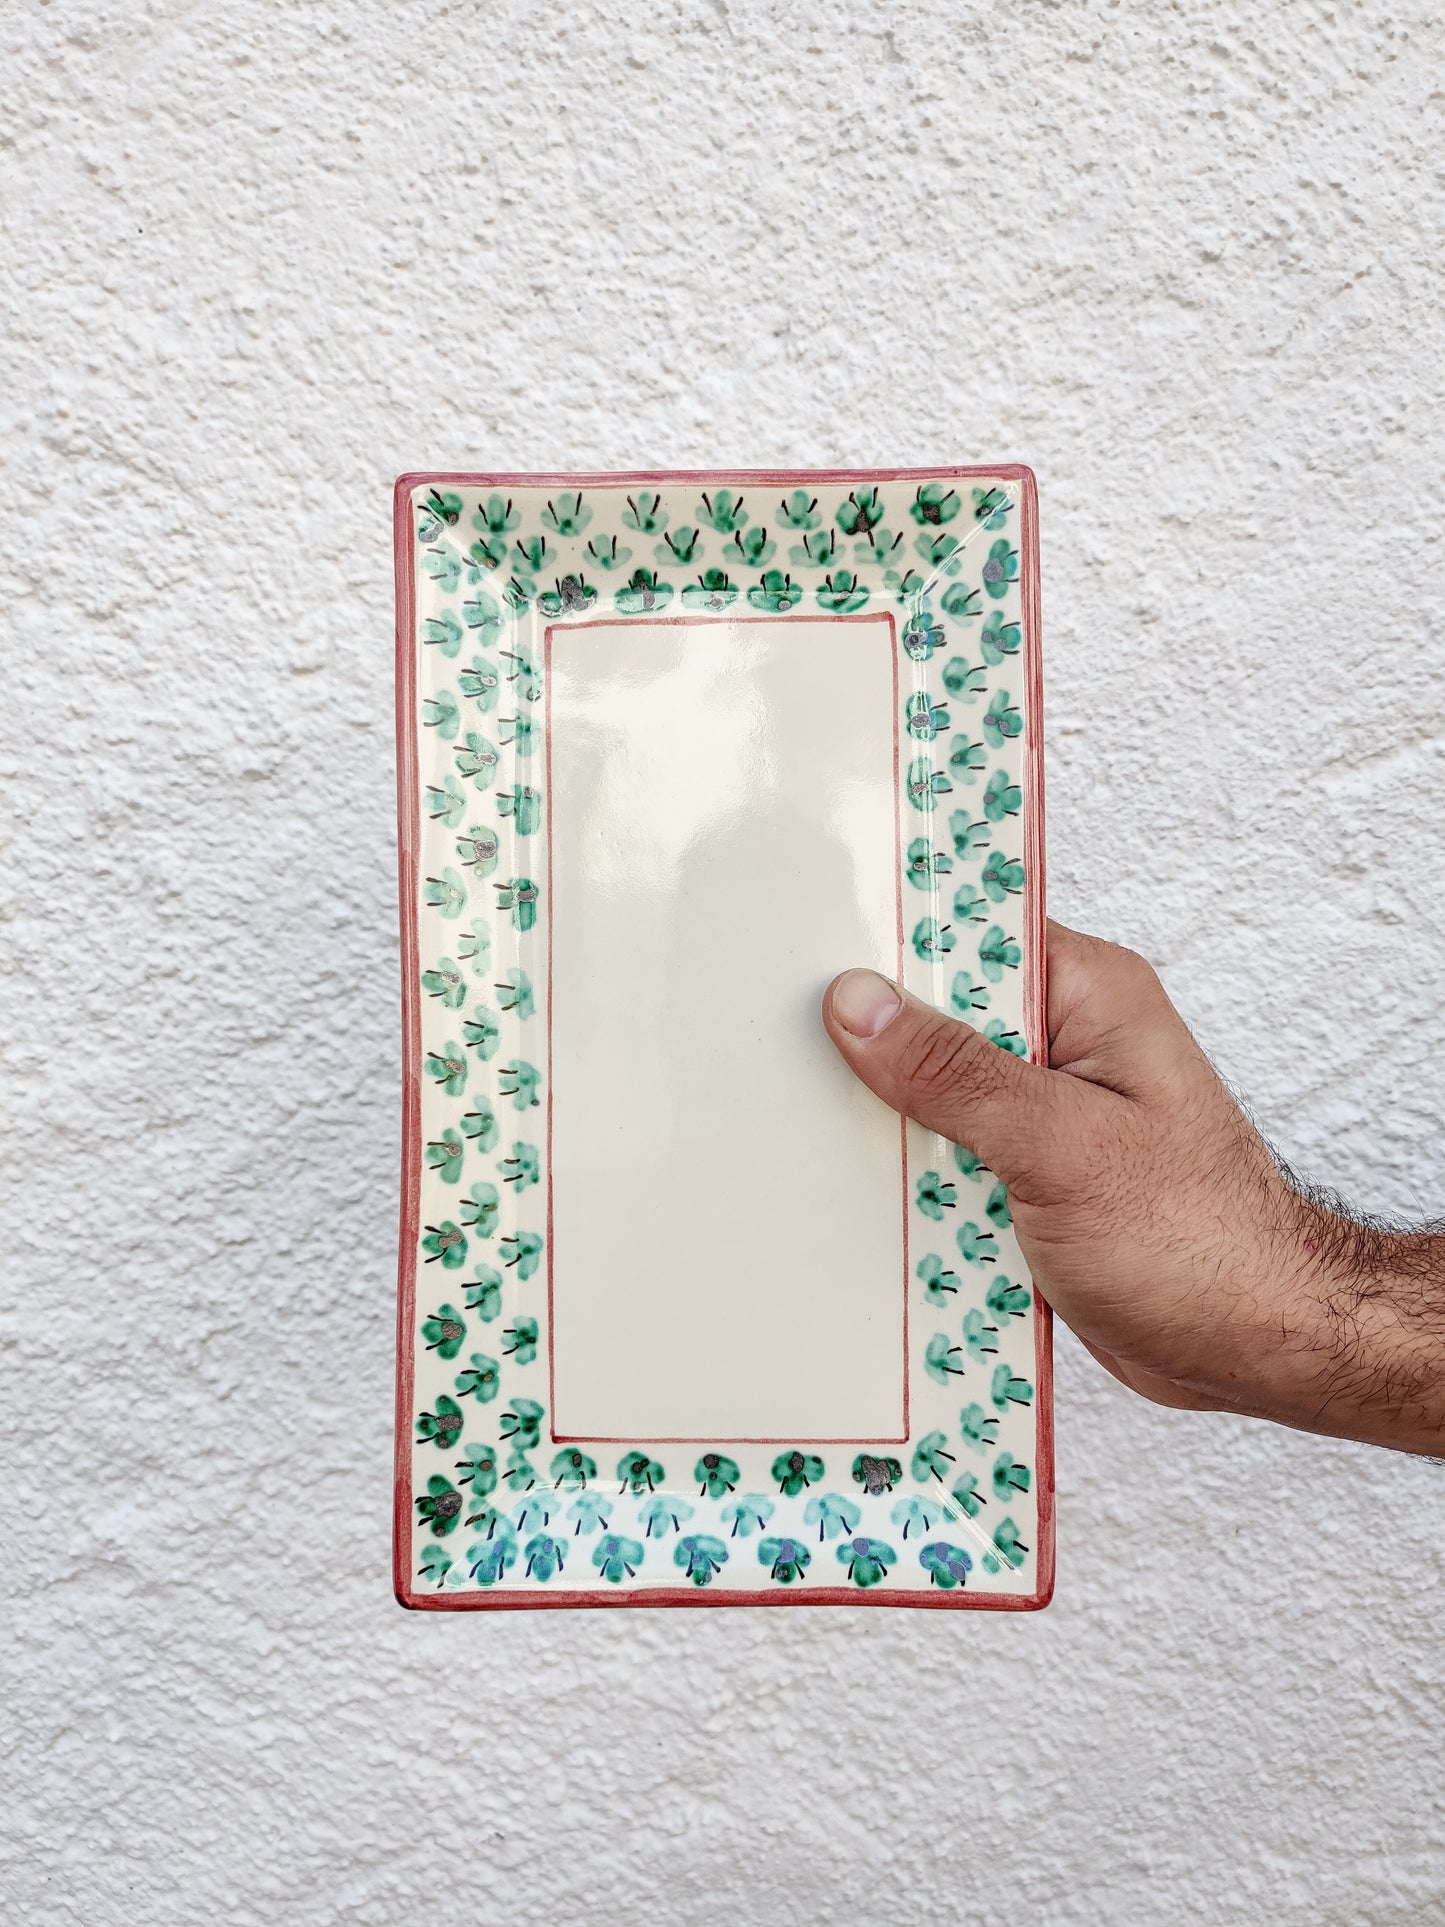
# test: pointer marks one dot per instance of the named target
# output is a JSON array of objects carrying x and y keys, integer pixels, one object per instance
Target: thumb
[{"x": 1018, "y": 1117}]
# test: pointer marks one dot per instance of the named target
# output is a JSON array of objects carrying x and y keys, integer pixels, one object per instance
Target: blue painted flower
[
  {"x": 700, "y": 1556},
  {"x": 948, "y": 1565},
  {"x": 616, "y": 1557},
  {"x": 544, "y": 1557},
  {"x": 1001, "y": 568},
  {"x": 786, "y": 1559},
  {"x": 867, "y": 1560}
]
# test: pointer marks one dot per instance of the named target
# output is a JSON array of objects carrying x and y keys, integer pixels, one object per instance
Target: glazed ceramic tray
[{"x": 686, "y": 1315}]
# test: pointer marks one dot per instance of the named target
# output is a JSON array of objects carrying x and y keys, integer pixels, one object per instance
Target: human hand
[{"x": 1151, "y": 1213}]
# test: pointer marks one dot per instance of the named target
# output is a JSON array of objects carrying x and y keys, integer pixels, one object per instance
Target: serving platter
[{"x": 686, "y": 1316}]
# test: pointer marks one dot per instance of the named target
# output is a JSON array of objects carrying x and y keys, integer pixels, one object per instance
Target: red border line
[{"x": 1035, "y": 1024}]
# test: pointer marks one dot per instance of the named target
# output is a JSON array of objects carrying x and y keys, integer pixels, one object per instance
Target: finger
[
  {"x": 1110, "y": 1019},
  {"x": 949, "y": 1077}
]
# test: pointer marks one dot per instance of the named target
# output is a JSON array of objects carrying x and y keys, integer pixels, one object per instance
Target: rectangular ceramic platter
[{"x": 686, "y": 1315}]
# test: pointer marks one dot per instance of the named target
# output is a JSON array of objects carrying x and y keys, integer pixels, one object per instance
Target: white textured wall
[{"x": 1183, "y": 259}]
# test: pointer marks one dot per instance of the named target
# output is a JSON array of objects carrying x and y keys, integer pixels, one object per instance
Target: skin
[{"x": 1152, "y": 1214}]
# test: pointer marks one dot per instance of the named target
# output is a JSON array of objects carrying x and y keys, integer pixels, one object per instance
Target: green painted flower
[
  {"x": 967, "y": 997},
  {"x": 608, "y": 554},
  {"x": 519, "y": 1081},
  {"x": 960, "y": 602},
  {"x": 662, "y": 1515},
  {"x": 700, "y": 1556},
  {"x": 479, "y": 1211},
  {"x": 566, "y": 514},
  {"x": 939, "y": 551},
  {"x": 937, "y": 1283},
  {"x": 519, "y": 895},
  {"x": 968, "y": 837},
  {"x": 842, "y": 592},
  {"x": 775, "y": 592},
  {"x": 815, "y": 551},
  {"x": 916, "y": 1515},
  {"x": 486, "y": 555},
  {"x": 969, "y": 1162},
  {"x": 514, "y": 993},
  {"x": 976, "y": 1428},
  {"x": 1000, "y": 569},
  {"x": 964, "y": 684},
  {"x": 832, "y": 1514},
  {"x": 966, "y": 1494},
  {"x": 798, "y": 510},
  {"x": 680, "y": 546},
  {"x": 572, "y": 1469},
  {"x": 523, "y": 1334},
  {"x": 639, "y": 1473},
  {"x": 521, "y": 1473},
  {"x": 932, "y": 938},
  {"x": 522, "y": 1423},
  {"x": 441, "y": 510},
  {"x": 978, "y": 1247},
  {"x": 435, "y": 1564},
  {"x": 441, "y": 1427},
  {"x": 448, "y": 1066},
  {"x": 644, "y": 594},
  {"x": 444, "y": 1154},
  {"x": 480, "y": 1474},
  {"x": 442, "y": 563},
  {"x": 966, "y": 759},
  {"x": 925, "y": 719},
  {"x": 997, "y": 953},
  {"x": 1008, "y": 1389},
  {"x": 445, "y": 980},
  {"x": 930, "y": 1458},
  {"x": 447, "y": 893},
  {"x": 483, "y": 613},
  {"x": 921, "y": 637},
  {"x": 616, "y": 1558},
  {"x": 876, "y": 1472},
  {"x": 1008, "y": 1543},
  {"x": 861, "y": 513},
  {"x": 522, "y": 740},
  {"x": 795, "y": 1470},
  {"x": 906, "y": 586},
  {"x": 1009, "y": 1477},
  {"x": 867, "y": 1560},
  {"x": 441, "y": 1507},
  {"x": 997, "y": 1207},
  {"x": 477, "y": 758},
  {"x": 968, "y": 905},
  {"x": 1001, "y": 720},
  {"x": 481, "y": 1380},
  {"x": 479, "y": 1125},
  {"x": 751, "y": 549},
  {"x": 1003, "y": 876},
  {"x": 478, "y": 851},
  {"x": 645, "y": 513},
  {"x": 933, "y": 504},
  {"x": 523, "y": 1167},
  {"x": 522, "y": 1252},
  {"x": 715, "y": 1474},
  {"x": 1002, "y": 798},
  {"x": 570, "y": 595},
  {"x": 748, "y": 1515},
  {"x": 714, "y": 590},
  {"x": 447, "y": 1242},
  {"x": 926, "y": 784},
  {"x": 978, "y": 1335},
  {"x": 481, "y": 1032},
  {"x": 589, "y": 1511},
  {"x": 948, "y": 1565},
  {"x": 440, "y": 712},
  {"x": 925, "y": 863},
  {"x": 998, "y": 638},
  {"x": 484, "y": 1294},
  {"x": 991, "y": 507},
  {"x": 544, "y": 1557},
  {"x": 935, "y": 1196},
  {"x": 523, "y": 804},
  {"x": 1008, "y": 1300},
  {"x": 877, "y": 547},
  {"x": 442, "y": 633},
  {"x": 496, "y": 516},
  {"x": 786, "y": 1559},
  {"x": 722, "y": 511},
  {"x": 942, "y": 1360},
  {"x": 534, "y": 1512}
]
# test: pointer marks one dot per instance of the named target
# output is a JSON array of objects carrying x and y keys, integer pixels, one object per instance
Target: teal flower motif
[
  {"x": 441, "y": 510},
  {"x": 964, "y": 684},
  {"x": 478, "y": 851},
  {"x": 921, "y": 637},
  {"x": 483, "y": 613},
  {"x": 933, "y": 504},
  {"x": 544, "y": 1557},
  {"x": 485, "y": 556},
  {"x": 639, "y": 1473},
  {"x": 445, "y": 981},
  {"x": 522, "y": 1423},
  {"x": 1000, "y": 569},
  {"x": 715, "y": 1474},
  {"x": 490, "y": 1557},
  {"x": 570, "y": 595},
  {"x": 786, "y": 1559},
  {"x": 861, "y": 513},
  {"x": 566, "y": 513},
  {"x": 961, "y": 602},
  {"x": 700, "y": 1556},
  {"x": 448, "y": 1067},
  {"x": 966, "y": 1494},
  {"x": 930, "y": 1460},
  {"x": 997, "y": 1209},
  {"x": 876, "y": 1473},
  {"x": 937, "y": 1283},
  {"x": 967, "y": 997},
  {"x": 842, "y": 592},
  {"x": 519, "y": 895},
  {"x": 880, "y": 546},
  {"x": 925, "y": 719},
  {"x": 932, "y": 938},
  {"x": 479, "y": 1211},
  {"x": 978, "y": 1247},
  {"x": 534, "y": 1513},
  {"x": 969, "y": 1162},
  {"x": 514, "y": 993},
  {"x": 477, "y": 758},
  {"x": 867, "y": 1560},
  {"x": 519, "y": 1081},
  {"x": 521, "y": 1473},
  {"x": 481, "y": 1380},
  {"x": 976, "y": 1428},
  {"x": 916, "y": 1515},
  {"x": 442, "y": 1427},
  {"x": 441, "y": 1507},
  {"x": 1006, "y": 1300},
  {"x": 990, "y": 507},
  {"x": 1001, "y": 720},
  {"x": 1009, "y": 1477},
  {"x": 1002, "y": 798},
  {"x": 748, "y": 1515},
  {"x": 616, "y": 1558},
  {"x": 496, "y": 516},
  {"x": 798, "y": 510},
  {"x": 751, "y": 549},
  {"x": 934, "y": 1196},
  {"x": 925, "y": 863},
  {"x": 966, "y": 759},
  {"x": 447, "y": 893},
  {"x": 444, "y": 566},
  {"x": 906, "y": 586},
  {"x": 722, "y": 511},
  {"x": 523, "y": 1167},
  {"x": 832, "y": 1514},
  {"x": 948, "y": 1565},
  {"x": 523, "y": 804},
  {"x": 645, "y": 513},
  {"x": 479, "y": 1125},
  {"x": 997, "y": 953},
  {"x": 714, "y": 591},
  {"x": 775, "y": 592},
  {"x": 644, "y": 594},
  {"x": 440, "y": 713},
  {"x": 447, "y": 1242},
  {"x": 998, "y": 638},
  {"x": 444, "y": 1155},
  {"x": 435, "y": 1564},
  {"x": 942, "y": 1360},
  {"x": 815, "y": 551},
  {"x": 523, "y": 1252},
  {"x": 939, "y": 552},
  {"x": 978, "y": 1335},
  {"x": 482, "y": 1033},
  {"x": 968, "y": 837},
  {"x": 442, "y": 633},
  {"x": 590, "y": 1510},
  {"x": 522, "y": 739},
  {"x": 663, "y": 1515},
  {"x": 571, "y": 1469},
  {"x": 794, "y": 1470},
  {"x": 1007, "y": 1389},
  {"x": 523, "y": 1334},
  {"x": 606, "y": 552},
  {"x": 481, "y": 1470},
  {"x": 680, "y": 546},
  {"x": 484, "y": 1294},
  {"x": 925, "y": 784},
  {"x": 968, "y": 905},
  {"x": 1007, "y": 1542},
  {"x": 1003, "y": 877}
]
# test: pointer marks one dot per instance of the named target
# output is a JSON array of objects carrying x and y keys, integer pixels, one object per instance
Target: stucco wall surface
[{"x": 1184, "y": 259}]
